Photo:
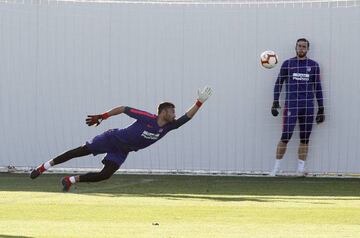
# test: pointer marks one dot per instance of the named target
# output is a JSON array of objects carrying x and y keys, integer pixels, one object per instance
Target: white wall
[{"x": 60, "y": 61}]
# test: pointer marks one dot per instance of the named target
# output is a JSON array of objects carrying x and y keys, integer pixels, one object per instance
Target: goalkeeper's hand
[
  {"x": 320, "y": 117},
  {"x": 96, "y": 119},
  {"x": 274, "y": 108},
  {"x": 204, "y": 94}
]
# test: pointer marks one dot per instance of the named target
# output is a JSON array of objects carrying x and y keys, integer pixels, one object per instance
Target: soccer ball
[{"x": 268, "y": 59}]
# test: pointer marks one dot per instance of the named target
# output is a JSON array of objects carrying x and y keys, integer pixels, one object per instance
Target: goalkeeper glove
[
  {"x": 274, "y": 108},
  {"x": 96, "y": 119},
  {"x": 203, "y": 95},
  {"x": 320, "y": 117}
]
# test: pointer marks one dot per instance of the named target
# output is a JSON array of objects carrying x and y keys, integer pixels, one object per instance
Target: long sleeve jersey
[{"x": 302, "y": 82}]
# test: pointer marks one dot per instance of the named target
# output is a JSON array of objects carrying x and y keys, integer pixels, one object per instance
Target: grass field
[{"x": 180, "y": 206}]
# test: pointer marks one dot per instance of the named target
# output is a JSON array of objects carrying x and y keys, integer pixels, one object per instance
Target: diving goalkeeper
[{"x": 118, "y": 143}]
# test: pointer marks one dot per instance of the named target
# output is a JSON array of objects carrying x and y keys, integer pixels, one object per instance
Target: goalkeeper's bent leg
[{"x": 109, "y": 169}]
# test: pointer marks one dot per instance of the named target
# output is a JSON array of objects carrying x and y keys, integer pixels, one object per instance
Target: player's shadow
[
  {"x": 218, "y": 188},
  {"x": 10, "y": 236}
]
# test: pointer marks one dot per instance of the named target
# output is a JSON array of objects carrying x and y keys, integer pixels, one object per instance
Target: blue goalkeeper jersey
[
  {"x": 144, "y": 131},
  {"x": 302, "y": 82}
]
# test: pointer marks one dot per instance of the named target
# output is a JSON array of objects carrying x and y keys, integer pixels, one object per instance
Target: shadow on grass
[
  {"x": 10, "y": 236},
  {"x": 226, "y": 188}
]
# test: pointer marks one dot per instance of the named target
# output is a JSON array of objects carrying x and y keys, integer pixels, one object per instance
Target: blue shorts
[
  {"x": 106, "y": 143},
  {"x": 305, "y": 115}
]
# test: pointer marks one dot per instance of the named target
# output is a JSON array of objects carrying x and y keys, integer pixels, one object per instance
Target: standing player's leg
[
  {"x": 306, "y": 119},
  {"x": 70, "y": 154},
  {"x": 112, "y": 163},
  {"x": 289, "y": 122}
]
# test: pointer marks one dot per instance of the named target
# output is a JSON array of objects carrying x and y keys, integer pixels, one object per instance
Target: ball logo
[{"x": 268, "y": 59}]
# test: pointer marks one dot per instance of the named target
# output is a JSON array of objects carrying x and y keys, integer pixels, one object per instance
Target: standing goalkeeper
[
  {"x": 117, "y": 143},
  {"x": 302, "y": 81}
]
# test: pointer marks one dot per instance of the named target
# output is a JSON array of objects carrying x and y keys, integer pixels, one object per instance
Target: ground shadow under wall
[{"x": 229, "y": 188}]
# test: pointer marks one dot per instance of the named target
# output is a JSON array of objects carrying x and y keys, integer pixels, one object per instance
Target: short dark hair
[
  {"x": 305, "y": 40},
  {"x": 165, "y": 105}
]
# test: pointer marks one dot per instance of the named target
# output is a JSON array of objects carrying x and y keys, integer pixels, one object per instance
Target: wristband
[
  {"x": 198, "y": 103},
  {"x": 105, "y": 116}
]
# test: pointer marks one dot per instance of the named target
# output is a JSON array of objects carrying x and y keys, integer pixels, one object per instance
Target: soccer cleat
[
  {"x": 66, "y": 183},
  {"x": 272, "y": 173},
  {"x": 301, "y": 174},
  {"x": 37, "y": 172}
]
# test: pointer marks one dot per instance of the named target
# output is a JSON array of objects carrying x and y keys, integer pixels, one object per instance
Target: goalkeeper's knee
[{"x": 284, "y": 140}]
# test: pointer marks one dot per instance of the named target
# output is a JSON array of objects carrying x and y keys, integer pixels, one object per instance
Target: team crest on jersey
[
  {"x": 161, "y": 130},
  {"x": 289, "y": 113},
  {"x": 308, "y": 68}
]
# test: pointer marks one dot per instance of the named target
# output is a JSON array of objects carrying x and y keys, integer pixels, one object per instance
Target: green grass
[{"x": 180, "y": 206}]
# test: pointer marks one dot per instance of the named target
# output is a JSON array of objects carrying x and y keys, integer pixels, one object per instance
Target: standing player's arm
[
  {"x": 318, "y": 88},
  {"x": 97, "y": 119},
  {"x": 320, "y": 117},
  {"x": 277, "y": 88},
  {"x": 280, "y": 81}
]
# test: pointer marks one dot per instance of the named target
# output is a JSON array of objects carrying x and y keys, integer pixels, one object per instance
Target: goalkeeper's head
[
  {"x": 302, "y": 47},
  {"x": 166, "y": 111}
]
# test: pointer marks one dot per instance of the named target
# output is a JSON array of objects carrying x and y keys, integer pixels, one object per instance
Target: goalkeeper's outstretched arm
[
  {"x": 97, "y": 119},
  {"x": 116, "y": 111},
  {"x": 202, "y": 97}
]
